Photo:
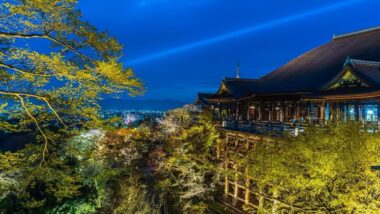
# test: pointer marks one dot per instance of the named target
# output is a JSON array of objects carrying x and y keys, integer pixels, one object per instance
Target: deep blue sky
[{"x": 180, "y": 47}]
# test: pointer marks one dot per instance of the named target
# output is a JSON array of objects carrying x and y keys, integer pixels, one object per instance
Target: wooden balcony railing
[{"x": 262, "y": 127}]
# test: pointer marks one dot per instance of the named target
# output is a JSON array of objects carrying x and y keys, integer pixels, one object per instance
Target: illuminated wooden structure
[
  {"x": 239, "y": 189},
  {"x": 338, "y": 81}
]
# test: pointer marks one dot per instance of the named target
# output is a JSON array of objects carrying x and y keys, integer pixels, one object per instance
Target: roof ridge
[
  {"x": 240, "y": 79},
  {"x": 354, "y": 33},
  {"x": 366, "y": 62}
]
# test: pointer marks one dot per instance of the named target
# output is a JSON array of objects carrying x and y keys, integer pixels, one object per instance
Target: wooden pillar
[
  {"x": 261, "y": 110},
  {"x": 261, "y": 200},
  {"x": 297, "y": 110},
  {"x": 236, "y": 189},
  {"x": 286, "y": 116},
  {"x": 226, "y": 161},
  {"x": 339, "y": 112},
  {"x": 270, "y": 111},
  {"x": 227, "y": 139},
  {"x": 311, "y": 112},
  {"x": 247, "y": 188},
  {"x": 345, "y": 112},
  {"x": 226, "y": 182},
  {"x": 282, "y": 110},
  {"x": 322, "y": 112}
]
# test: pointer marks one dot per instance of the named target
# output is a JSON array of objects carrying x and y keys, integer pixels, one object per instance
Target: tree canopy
[
  {"x": 325, "y": 170},
  {"x": 54, "y": 67}
]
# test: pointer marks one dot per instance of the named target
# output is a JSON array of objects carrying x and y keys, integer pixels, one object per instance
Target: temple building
[{"x": 337, "y": 81}]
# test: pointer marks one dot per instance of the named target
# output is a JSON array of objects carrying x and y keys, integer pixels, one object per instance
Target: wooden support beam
[
  {"x": 310, "y": 112},
  {"x": 236, "y": 189},
  {"x": 247, "y": 194},
  {"x": 282, "y": 110},
  {"x": 261, "y": 199},
  {"x": 322, "y": 113},
  {"x": 226, "y": 185},
  {"x": 297, "y": 109}
]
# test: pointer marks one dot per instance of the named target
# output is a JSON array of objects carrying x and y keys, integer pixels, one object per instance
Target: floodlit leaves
[
  {"x": 48, "y": 53},
  {"x": 326, "y": 169},
  {"x": 188, "y": 169}
]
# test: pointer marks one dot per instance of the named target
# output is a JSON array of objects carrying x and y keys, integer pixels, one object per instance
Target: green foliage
[
  {"x": 73, "y": 171},
  {"x": 325, "y": 169},
  {"x": 37, "y": 186},
  {"x": 133, "y": 199},
  {"x": 173, "y": 167},
  {"x": 54, "y": 90},
  {"x": 58, "y": 84},
  {"x": 79, "y": 206},
  {"x": 187, "y": 171}
]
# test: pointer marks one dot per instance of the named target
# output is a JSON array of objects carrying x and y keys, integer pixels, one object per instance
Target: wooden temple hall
[{"x": 338, "y": 81}]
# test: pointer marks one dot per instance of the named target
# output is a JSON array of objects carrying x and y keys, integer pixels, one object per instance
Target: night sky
[{"x": 181, "y": 47}]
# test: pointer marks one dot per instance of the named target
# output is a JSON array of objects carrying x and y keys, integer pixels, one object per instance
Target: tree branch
[
  {"x": 17, "y": 94},
  {"x": 22, "y": 71},
  {"x": 7, "y": 16},
  {"x": 46, "y": 141},
  {"x": 44, "y": 36}
]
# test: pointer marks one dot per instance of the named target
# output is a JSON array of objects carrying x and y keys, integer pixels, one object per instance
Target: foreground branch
[
  {"x": 46, "y": 141},
  {"x": 44, "y": 36},
  {"x": 22, "y": 71},
  {"x": 44, "y": 99}
]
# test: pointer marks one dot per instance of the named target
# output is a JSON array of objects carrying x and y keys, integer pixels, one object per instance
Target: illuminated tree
[
  {"x": 323, "y": 170},
  {"x": 54, "y": 67},
  {"x": 187, "y": 171}
]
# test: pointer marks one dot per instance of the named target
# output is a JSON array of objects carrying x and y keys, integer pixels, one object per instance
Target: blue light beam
[{"x": 251, "y": 29}]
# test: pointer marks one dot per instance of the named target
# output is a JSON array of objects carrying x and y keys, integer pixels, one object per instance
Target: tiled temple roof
[
  {"x": 367, "y": 70},
  {"x": 239, "y": 87},
  {"x": 313, "y": 69},
  {"x": 310, "y": 72},
  {"x": 202, "y": 98}
]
